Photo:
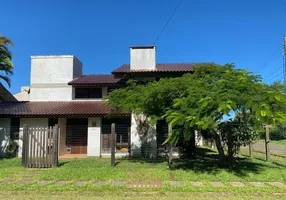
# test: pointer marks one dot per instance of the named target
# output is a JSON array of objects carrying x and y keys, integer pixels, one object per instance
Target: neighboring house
[
  {"x": 24, "y": 94},
  {"x": 60, "y": 94},
  {"x": 5, "y": 96}
]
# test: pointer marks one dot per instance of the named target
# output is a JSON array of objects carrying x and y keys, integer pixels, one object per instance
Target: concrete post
[{"x": 113, "y": 144}]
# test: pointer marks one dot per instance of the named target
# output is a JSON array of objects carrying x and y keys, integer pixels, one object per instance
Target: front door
[{"x": 77, "y": 135}]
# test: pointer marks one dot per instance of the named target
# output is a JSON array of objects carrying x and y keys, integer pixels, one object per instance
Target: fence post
[
  {"x": 129, "y": 142},
  {"x": 170, "y": 149},
  {"x": 250, "y": 149},
  {"x": 24, "y": 145},
  {"x": 267, "y": 150},
  {"x": 113, "y": 143},
  {"x": 55, "y": 146}
]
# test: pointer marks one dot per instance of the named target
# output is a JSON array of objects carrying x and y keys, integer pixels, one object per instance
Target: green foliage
[
  {"x": 278, "y": 134},
  {"x": 236, "y": 133},
  {"x": 11, "y": 149},
  {"x": 217, "y": 91},
  {"x": 6, "y": 65},
  {"x": 200, "y": 100}
]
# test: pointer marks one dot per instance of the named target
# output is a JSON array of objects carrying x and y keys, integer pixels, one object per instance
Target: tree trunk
[
  {"x": 193, "y": 147},
  {"x": 229, "y": 147},
  {"x": 219, "y": 147},
  {"x": 190, "y": 146}
]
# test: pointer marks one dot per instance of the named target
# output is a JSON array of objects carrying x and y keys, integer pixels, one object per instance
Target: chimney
[{"x": 142, "y": 58}]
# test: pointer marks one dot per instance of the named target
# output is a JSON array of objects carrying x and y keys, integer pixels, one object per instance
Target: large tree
[
  {"x": 6, "y": 66},
  {"x": 200, "y": 101},
  {"x": 220, "y": 91}
]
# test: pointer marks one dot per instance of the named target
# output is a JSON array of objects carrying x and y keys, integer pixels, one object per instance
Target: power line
[
  {"x": 269, "y": 56},
  {"x": 168, "y": 21},
  {"x": 274, "y": 72},
  {"x": 270, "y": 59},
  {"x": 276, "y": 77},
  {"x": 279, "y": 79}
]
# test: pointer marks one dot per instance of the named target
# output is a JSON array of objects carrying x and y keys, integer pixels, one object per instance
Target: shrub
[
  {"x": 278, "y": 134},
  {"x": 11, "y": 149}
]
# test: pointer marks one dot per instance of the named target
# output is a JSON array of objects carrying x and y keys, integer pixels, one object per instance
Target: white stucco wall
[
  {"x": 30, "y": 122},
  {"x": 4, "y": 134},
  {"x": 50, "y": 76},
  {"x": 63, "y": 93},
  {"x": 199, "y": 139},
  {"x": 77, "y": 68},
  {"x": 104, "y": 92},
  {"x": 53, "y": 69},
  {"x": 24, "y": 94},
  {"x": 142, "y": 58},
  {"x": 94, "y": 137},
  {"x": 151, "y": 149}
]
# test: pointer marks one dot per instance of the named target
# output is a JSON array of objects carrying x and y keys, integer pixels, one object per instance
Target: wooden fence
[{"x": 40, "y": 147}]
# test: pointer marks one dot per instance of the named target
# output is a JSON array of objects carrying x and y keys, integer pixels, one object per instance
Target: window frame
[{"x": 90, "y": 93}]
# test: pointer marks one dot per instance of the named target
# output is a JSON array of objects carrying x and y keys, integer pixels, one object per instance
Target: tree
[
  {"x": 200, "y": 101},
  {"x": 236, "y": 133},
  {"x": 148, "y": 102},
  {"x": 6, "y": 65},
  {"x": 219, "y": 91}
]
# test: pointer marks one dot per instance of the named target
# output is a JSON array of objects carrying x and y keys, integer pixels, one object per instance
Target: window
[
  {"x": 15, "y": 126},
  {"x": 109, "y": 89},
  {"x": 95, "y": 93},
  {"x": 88, "y": 93},
  {"x": 81, "y": 93},
  {"x": 53, "y": 121}
]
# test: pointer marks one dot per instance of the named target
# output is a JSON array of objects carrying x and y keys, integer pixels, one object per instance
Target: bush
[
  {"x": 278, "y": 134},
  {"x": 11, "y": 149}
]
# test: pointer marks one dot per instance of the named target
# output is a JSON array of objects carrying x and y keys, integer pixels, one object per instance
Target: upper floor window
[
  {"x": 110, "y": 89},
  {"x": 88, "y": 93}
]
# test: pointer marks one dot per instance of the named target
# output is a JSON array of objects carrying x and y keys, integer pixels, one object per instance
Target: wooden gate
[{"x": 40, "y": 147}]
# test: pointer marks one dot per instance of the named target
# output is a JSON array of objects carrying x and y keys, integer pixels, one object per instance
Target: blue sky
[{"x": 99, "y": 33}]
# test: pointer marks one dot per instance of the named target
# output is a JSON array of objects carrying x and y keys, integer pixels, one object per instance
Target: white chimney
[{"x": 142, "y": 58}]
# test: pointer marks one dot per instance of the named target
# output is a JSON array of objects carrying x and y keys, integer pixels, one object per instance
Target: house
[
  {"x": 5, "y": 96},
  {"x": 24, "y": 94},
  {"x": 60, "y": 94}
]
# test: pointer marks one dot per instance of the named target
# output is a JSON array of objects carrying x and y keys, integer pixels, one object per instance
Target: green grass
[
  {"x": 281, "y": 142},
  {"x": 205, "y": 168},
  {"x": 140, "y": 195}
]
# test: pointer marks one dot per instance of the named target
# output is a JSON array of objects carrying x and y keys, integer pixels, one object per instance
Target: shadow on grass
[
  {"x": 207, "y": 161},
  {"x": 271, "y": 162},
  {"x": 62, "y": 163}
]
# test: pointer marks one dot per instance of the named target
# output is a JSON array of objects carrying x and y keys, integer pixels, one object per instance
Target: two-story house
[{"x": 60, "y": 94}]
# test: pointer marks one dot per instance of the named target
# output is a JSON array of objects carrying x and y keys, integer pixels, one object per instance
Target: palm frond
[
  {"x": 6, "y": 79},
  {"x": 5, "y": 41},
  {"x": 6, "y": 65},
  {"x": 6, "y": 69}
]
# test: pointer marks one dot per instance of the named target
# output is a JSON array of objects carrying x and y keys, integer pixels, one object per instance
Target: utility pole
[{"x": 284, "y": 61}]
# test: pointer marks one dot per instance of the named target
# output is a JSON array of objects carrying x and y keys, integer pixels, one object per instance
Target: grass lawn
[
  {"x": 206, "y": 168},
  {"x": 139, "y": 195},
  {"x": 281, "y": 142}
]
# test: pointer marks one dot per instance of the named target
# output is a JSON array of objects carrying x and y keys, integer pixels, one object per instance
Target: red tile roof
[
  {"x": 54, "y": 108},
  {"x": 172, "y": 67},
  {"x": 96, "y": 80}
]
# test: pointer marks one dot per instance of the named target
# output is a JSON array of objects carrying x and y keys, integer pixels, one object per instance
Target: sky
[{"x": 248, "y": 33}]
